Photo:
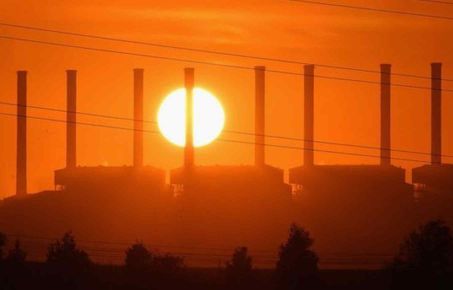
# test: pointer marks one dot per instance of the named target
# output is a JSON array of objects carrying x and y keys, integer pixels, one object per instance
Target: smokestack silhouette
[
  {"x": 21, "y": 162},
  {"x": 71, "y": 117},
  {"x": 385, "y": 114},
  {"x": 138, "y": 117},
  {"x": 309, "y": 108},
  {"x": 436, "y": 113},
  {"x": 259, "y": 115},
  {"x": 189, "y": 148}
]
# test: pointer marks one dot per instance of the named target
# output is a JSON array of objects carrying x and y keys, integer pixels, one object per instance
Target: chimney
[
  {"x": 436, "y": 107},
  {"x": 189, "y": 148},
  {"x": 21, "y": 165},
  {"x": 309, "y": 114},
  {"x": 259, "y": 115},
  {"x": 385, "y": 114},
  {"x": 71, "y": 117},
  {"x": 138, "y": 117}
]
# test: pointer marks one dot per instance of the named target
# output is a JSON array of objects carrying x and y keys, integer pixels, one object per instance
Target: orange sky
[{"x": 345, "y": 112}]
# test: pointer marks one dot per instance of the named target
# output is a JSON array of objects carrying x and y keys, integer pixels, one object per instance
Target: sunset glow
[
  {"x": 214, "y": 145},
  {"x": 209, "y": 117}
]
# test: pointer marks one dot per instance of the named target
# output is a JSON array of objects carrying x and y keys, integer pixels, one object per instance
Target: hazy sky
[{"x": 345, "y": 111}]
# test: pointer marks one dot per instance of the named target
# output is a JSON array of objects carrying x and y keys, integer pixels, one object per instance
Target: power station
[
  {"x": 310, "y": 175},
  {"x": 259, "y": 177},
  {"x": 344, "y": 200},
  {"x": 202, "y": 203},
  {"x": 436, "y": 176},
  {"x": 136, "y": 178}
]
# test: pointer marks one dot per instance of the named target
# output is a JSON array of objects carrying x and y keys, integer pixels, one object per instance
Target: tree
[
  {"x": 425, "y": 259},
  {"x": 238, "y": 270},
  {"x": 65, "y": 253},
  {"x": 297, "y": 267},
  {"x": 138, "y": 258},
  {"x": 167, "y": 265},
  {"x": 16, "y": 256},
  {"x": 2, "y": 244},
  {"x": 68, "y": 266},
  {"x": 16, "y": 270}
]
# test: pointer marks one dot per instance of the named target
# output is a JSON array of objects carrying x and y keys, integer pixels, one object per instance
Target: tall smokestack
[
  {"x": 71, "y": 117},
  {"x": 385, "y": 114},
  {"x": 138, "y": 117},
  {"x": 259, "y": 115},
  {"x": 189, "y": 148},
  {"x": 21, "y": 162},
  {"x": 436, "y": 116},
  {"x": 309, "y": 108}
]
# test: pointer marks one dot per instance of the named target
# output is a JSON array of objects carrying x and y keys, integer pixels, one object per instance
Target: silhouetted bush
[
  {"x": 138, "y": 258},
  {"x": 168, "y": 265},
  {"x": 145, "y": 269},
  {"x": 16, "y": 256},
  {"x": 15, "y": 268},
  {"x": 425, "y": 260},
  {"x": 68, "y": 266},
  {"x": 2, "y": 244},
  {"x": 239, "y": 269},
  {"x": 65, "y": 253},
  {"x": 297, "y": 267}
]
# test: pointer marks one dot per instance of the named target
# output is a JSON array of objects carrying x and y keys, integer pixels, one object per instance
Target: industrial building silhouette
[
  {"x": 354, "y": 208},
  {"x": 103, "y": 178},
  {"x": 365, "y": 202}
]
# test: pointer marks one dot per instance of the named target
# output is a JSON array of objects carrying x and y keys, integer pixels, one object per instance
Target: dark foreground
[{"x": 39, "y": 276}]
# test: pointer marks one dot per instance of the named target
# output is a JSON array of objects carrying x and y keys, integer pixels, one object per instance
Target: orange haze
[{"x": 345, "y": 112}]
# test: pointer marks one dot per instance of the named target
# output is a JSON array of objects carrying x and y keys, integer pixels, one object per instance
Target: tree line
[{"x": 424, "y": 261}]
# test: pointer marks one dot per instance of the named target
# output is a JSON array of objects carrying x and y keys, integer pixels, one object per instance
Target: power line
[
  {"x": 335, "y": 143},
  {"x": 323, "y": 151},
  {"x": 120, "y": 253},
  {"x": 437, "y": 1},
  {"x": 32, "y": 244},
  {"x": 261, "y": 260},
  {"x": 78, "y": 112},
  {"x": 186, "y": 254},
  {"x": 224, "y": 53},
  {"x": 185, "y": 60},
  {"x": 128, "y": 243},
  {"x": 227, "y": 131},
  {"x": 221, "y": 139},
  {"x": 35, "y": 239},
  {"x": 374, "y": 9},
  {"x": 103, "y": 250}
]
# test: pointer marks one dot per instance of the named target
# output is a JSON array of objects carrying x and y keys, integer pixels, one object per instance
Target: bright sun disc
[{"x": 208, "y": 117}]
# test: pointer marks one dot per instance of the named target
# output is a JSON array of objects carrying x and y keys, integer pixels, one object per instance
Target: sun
[{"x": 208, "y": 117}]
